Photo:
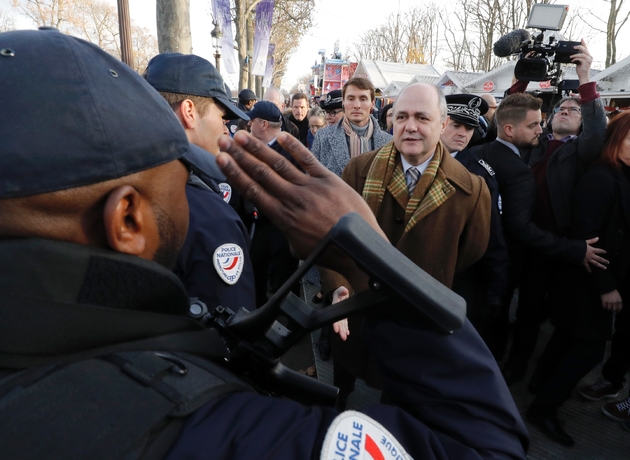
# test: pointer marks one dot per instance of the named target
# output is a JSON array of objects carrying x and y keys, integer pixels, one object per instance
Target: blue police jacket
[{"x": 214, "y": 263}]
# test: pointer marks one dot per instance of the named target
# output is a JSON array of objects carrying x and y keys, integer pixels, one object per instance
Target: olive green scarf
[{"x": 386, "y": 173}]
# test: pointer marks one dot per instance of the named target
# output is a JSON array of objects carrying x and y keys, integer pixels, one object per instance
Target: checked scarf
[
  {"x": 386, "y": 173},
  {"x": 358, "y": 144}
]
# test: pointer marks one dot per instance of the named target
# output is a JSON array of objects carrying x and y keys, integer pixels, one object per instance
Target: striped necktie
[{"x": 412, "y": 175}]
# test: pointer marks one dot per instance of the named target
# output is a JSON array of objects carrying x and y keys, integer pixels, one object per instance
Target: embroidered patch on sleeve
[
  {"x": 354, "y": 435},
  {"x": 228, "y": 262}
]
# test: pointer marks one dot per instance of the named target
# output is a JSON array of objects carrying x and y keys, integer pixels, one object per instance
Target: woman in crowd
[
  {"x": 316, "y": 120},
  {"x": 583, "y": 304},
  {"x": 386, "y": 118}
]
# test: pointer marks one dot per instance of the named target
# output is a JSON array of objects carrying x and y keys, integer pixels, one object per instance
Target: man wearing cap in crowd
[
  {"x": 275, "y": 95},
  {"x": 91, "y": 195},
  {"x": 356, "y": 132},
  {"x": 484, "y": 283},
  {"x": 332, "y": 105},
  {"x": 272, "y": 260},
  {"x": 429, "y": 206},
  {"x": 214, "y": 262},
  {"x": 246, "y": 100}
]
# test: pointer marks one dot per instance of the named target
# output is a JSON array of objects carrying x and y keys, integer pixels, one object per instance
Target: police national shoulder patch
[
  {"x": 228, "y": 262},
  {"x": 355, "y": 435},
  {"x": 226, "y": 191}
]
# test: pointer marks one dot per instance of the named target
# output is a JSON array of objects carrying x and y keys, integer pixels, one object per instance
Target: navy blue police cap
[
  {"x": 466, "y": 108},
  {"x": 73, "y": 115},
  {"x": 191, "y": 74},
  {"x": 247, "y": 95},
  {"x": 332, "y": 100},
  {"x": 265, "y": 110}
]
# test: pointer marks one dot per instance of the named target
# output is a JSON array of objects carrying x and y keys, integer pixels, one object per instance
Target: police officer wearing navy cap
[
  {"x": 483, "y": 284},
  {"x": 246, "y": 100},
  {"x": 214, "y": 262},
  {"x": 332, "y": 104},
  {"x": 272, "y": 260},
  {"x": 97, "y": 357}
]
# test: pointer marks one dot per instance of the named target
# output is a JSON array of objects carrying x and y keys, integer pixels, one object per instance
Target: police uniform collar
[
  {"x": 60, "y": 298},
  {"x": 74, "y": 273}
]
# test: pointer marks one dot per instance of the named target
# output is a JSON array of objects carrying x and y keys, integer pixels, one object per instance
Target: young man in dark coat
[
  {"x": 518, "y": 128},
  {"x": 578, "y": 128}
]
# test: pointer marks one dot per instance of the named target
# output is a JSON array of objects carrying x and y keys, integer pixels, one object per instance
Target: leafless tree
[
  {"x": 291, "y": 20},
  {"x": 51, "y": 13},
  {"x": 144, "y": 47},
  {"x": 411, "y": 36},
  {"x": 91, "y": 20},
  {"x": 611, "y": 25},
  {"x": 7, "y": 22}
]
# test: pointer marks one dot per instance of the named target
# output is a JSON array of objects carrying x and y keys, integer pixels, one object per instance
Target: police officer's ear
[
  {"x": 186, "y": 113},
  {"x": 130, "y": 225}
]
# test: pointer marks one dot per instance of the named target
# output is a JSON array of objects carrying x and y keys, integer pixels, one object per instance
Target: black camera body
[{"x": 541, "y": 61}]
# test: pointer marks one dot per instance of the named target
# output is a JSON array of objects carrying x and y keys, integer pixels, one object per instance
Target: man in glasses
[{"x": 355, "y": 132}]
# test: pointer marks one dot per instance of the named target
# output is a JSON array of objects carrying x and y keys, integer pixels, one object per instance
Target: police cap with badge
[
  {"x": 191, "y": 74},
  {"x": 466, "y": 108},
  {"x": 332, "y": 100}
]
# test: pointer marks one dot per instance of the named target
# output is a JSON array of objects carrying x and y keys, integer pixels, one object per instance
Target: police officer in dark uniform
[
  {"x": 483, "y": 284},
  {"x": 271, "y": 256},
  {"x": 214, "y": 262},
  {"x": 246, "y": 100},
  {"x": 92, "y": 196}
]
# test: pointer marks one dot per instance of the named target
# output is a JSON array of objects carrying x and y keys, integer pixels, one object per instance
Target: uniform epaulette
[{"x": 487, "y": 167}]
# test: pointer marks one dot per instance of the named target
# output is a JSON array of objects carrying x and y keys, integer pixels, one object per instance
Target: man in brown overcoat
[{"x": 429, "y": 206}]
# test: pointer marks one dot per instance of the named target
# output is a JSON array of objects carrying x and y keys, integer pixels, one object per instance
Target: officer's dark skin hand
[{"x": 303, "y": 206}]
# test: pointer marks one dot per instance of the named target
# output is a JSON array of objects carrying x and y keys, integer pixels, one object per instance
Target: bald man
[
  {"x": 430, "y": 207},
  {"x": 275, "y": 95}
]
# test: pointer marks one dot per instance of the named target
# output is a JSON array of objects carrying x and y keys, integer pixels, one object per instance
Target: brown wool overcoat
[{"x": 447, "y": 240}]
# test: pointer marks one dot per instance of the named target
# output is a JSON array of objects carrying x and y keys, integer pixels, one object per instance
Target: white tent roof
[
  {"x": 394, "y": 88},
  {"x": 615, "y": 78},
  {"x": 381, "y": 73}
]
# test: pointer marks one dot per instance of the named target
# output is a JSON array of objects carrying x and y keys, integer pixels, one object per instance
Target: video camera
[{"x": 537, "y": 61}]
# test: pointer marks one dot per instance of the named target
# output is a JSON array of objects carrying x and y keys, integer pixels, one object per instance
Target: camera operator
[
  {"x": 578, "y": 128},
  {"x": 97, "y": 359}
]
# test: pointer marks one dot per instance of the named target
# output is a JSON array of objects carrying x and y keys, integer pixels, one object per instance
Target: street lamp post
[{"x": 217, "y": 38}]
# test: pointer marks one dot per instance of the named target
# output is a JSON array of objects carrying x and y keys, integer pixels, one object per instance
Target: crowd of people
[{"x": 123, "y": 196}]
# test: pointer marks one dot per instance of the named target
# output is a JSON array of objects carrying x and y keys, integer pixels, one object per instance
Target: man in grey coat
[{"x": 357, "y": 132}]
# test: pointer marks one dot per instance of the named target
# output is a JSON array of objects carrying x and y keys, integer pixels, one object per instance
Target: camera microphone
[{"x": 510, "y": 43}]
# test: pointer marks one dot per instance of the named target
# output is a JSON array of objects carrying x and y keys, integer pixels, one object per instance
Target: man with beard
[
  {"x": 518, "y": 120},
  {"x": 578, "y": 129}
]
